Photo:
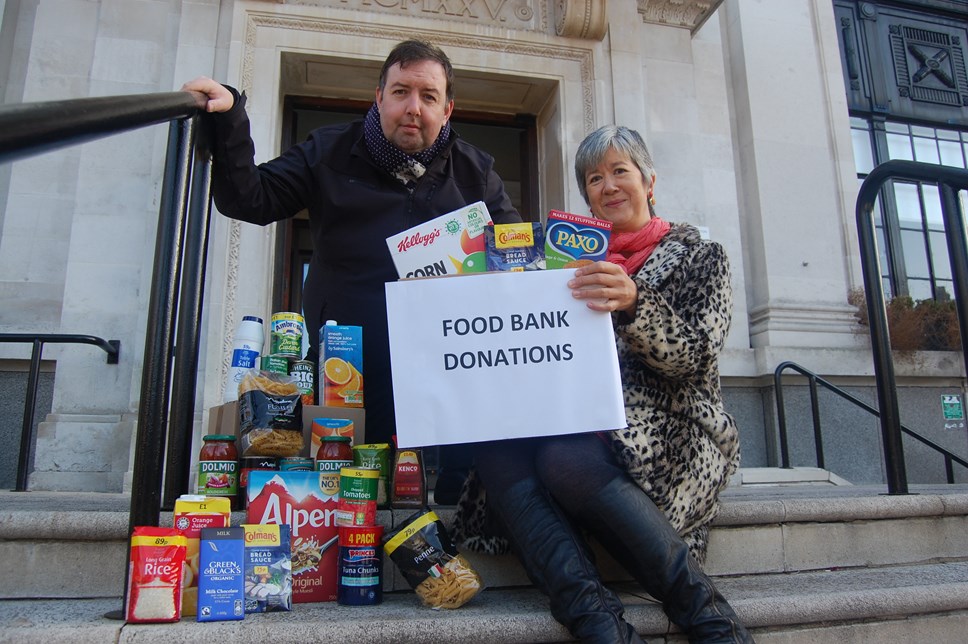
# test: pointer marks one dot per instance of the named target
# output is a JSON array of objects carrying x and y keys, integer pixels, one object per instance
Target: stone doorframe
[{"x": 239, "y": 282}]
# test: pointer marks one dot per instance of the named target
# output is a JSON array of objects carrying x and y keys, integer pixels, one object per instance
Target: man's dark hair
[{"x": 414, "y": 51}]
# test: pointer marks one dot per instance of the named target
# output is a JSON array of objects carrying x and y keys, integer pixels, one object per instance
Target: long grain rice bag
[{"x": 155, "y": 575}]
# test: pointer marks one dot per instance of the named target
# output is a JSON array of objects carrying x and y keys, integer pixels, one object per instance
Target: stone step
[
  {"x": 762, "y": 529},
  {"x": 924, "y": 603}
]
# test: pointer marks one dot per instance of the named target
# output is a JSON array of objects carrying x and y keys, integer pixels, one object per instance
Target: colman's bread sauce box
[
  {"x": 306, "y": 502},
  {"x": 340, "y": 365},
  {"x": 574, "y": 240},
  {"x": 447, "y": 245}
]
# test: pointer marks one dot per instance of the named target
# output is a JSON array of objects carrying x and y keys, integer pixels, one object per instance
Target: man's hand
[{"x": 219, "y": 98}]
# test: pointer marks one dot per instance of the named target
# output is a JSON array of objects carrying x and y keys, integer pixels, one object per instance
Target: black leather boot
[
  {"x": 557, "y": 562},
  {"x": 634, "y": 531}
]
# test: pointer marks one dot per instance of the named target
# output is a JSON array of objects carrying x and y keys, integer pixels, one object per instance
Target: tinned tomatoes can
[{"x": 357, "y": 496}]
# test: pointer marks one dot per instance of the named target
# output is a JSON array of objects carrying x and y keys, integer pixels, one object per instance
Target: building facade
[{"x": 749, "y": 109}]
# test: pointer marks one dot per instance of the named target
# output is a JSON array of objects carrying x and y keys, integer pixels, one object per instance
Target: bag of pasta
[
  {"x": 427, "y": 558},
  {"x": 270, "y": 415}
]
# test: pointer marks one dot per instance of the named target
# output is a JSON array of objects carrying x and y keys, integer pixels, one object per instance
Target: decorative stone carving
[
  {"x": 689, "y": 14},
  {"x": 581, "y": 18}
]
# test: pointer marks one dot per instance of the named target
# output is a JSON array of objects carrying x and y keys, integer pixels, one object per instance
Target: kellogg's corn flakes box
[
  {"x": 574, "y": 240},
  {"x": 447, "y": 245}
]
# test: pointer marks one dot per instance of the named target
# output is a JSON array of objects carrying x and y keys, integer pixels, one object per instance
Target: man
[{"x": 361, "y": 182}]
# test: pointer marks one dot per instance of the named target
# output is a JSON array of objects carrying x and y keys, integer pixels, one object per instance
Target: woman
[{"x": 648, "y": 492}]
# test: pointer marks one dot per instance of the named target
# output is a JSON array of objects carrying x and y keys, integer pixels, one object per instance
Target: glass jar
[
  {"x": 334, "y": 453},
  {"x": 218, "y": 467},
  {"x": 409, "y": 479}
]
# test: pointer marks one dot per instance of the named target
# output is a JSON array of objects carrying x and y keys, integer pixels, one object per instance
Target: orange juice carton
[
  {"x": 340, "y": 365},
  {"x": 574, "y": 240},
  {"x": 515, "y": 247},
  {"x": 447, "y": 245},
  {"x": 192, "y": 513},
  {"x": 329, "y": 427}
]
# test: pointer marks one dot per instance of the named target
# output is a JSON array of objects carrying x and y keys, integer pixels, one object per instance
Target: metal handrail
[
  {"x": 813, "y": 379},
  {"x": 175, "y": 298},
  {"x": 949, "y": 180},
  {"x": 38, "y": 340},
  {"x": 180, "y": 246}
]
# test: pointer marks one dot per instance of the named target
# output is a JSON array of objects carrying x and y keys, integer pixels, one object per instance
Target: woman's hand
[
  {"x": 219, "y": 98},
  {"x": 605, "y": 287}
]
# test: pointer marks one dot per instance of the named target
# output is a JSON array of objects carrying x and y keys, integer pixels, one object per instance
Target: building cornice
[{"x": 687, "y": 14}]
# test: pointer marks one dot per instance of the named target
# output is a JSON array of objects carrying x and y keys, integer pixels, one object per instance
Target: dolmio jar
[{"x": 218, "y": 467}]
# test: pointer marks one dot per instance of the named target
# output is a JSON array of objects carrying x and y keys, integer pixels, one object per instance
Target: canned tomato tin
[
  {"x": 286, "y": 334},
  {"x": 376, "y": 455},
  {"x": 357, "y": 496},
  {"x": 275, "y": 364},
  {"x": 302, "y": 372},
  {"x": 360, "y": 566},
  {"x": 296, "y": 464}
]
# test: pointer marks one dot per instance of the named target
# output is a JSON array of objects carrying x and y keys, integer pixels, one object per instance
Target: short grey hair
[{"x": 618, "y": 137}]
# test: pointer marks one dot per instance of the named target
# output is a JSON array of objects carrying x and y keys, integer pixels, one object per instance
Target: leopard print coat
[{"x": 680, "y": 446}]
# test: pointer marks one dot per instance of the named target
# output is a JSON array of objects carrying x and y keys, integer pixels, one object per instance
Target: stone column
[{"x": 796, "y": 171}]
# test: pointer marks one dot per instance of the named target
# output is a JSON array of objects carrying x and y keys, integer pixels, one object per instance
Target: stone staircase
[{"x": 800, "y": 557}]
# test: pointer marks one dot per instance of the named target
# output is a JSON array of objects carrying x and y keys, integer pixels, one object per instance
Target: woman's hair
[
  {"x": 415, "y": 51},
  {"x": 620, "y": 138}
]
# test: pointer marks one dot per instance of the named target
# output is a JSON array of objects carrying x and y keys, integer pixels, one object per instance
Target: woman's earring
[{"x": 652, "y": 200}]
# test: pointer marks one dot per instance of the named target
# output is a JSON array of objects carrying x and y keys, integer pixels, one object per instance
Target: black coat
[{"x": 354, "y": 205}]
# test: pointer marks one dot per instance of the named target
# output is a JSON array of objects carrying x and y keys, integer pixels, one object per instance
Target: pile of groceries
[{"x": 311, "y": 532}]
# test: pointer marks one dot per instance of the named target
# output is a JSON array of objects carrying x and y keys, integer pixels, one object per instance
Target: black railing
[
  {"x": 813, "y": 380},
  {"x": 950, "y": 180},
  {"x": 38, "y": 340},
  {"x": 174, "y": 302}
]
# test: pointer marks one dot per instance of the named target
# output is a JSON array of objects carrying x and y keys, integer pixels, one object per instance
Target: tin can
[
  {"x": 252, "y": 463},
  {"x": 296, "y": 464},
  {"x": 376, "y": 455},
  {"x": 275, "y": 364},
  {"x": 360, "y": 566},
  {"x": 357, "y": 496},
  {"x": 286, "y": 334},
  {"x": 303, "y": 372}
]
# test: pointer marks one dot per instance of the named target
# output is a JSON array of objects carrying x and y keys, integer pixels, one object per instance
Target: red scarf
[{"x": 630, "y": 250}]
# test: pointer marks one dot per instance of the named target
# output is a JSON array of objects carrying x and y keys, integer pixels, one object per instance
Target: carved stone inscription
[{"x": 509, "y": 13}]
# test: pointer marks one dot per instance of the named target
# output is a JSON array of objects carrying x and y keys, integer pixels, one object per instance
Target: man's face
[{"x": 413, "y": 105}]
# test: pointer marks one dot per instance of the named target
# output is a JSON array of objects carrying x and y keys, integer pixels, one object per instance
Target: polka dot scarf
[{"x": 401, "y": 165}]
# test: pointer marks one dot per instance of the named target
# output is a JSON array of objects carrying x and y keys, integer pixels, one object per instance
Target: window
[{"x": 910, "y": 231}]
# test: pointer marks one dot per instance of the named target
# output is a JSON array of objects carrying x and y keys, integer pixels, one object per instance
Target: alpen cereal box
[
  {"x": 299, "y": 500},
  {"x": 448, "y": 245},
  {"x": 574, "y": 240}
]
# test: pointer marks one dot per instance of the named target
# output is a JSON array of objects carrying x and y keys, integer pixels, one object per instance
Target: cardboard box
[
  {"x": 192, "y": 513},
  {"x": 221, "y": 563},
  {"x": 305, "y": 504},
  {"x": 572, "y": 239},
  {"x": 224, "y": 419},
  {"x": 447, "y": 245},
  {"x": 340, "y": 378}
]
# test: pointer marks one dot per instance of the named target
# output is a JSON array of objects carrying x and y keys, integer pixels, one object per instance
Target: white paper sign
[{"x": 499, "y": 355}]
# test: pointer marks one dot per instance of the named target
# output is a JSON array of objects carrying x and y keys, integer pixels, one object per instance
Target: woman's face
[{"x": 618, "y": 192}]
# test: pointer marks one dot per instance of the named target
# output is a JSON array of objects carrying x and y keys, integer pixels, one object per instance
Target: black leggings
[{"x": 572, "y": 468}]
